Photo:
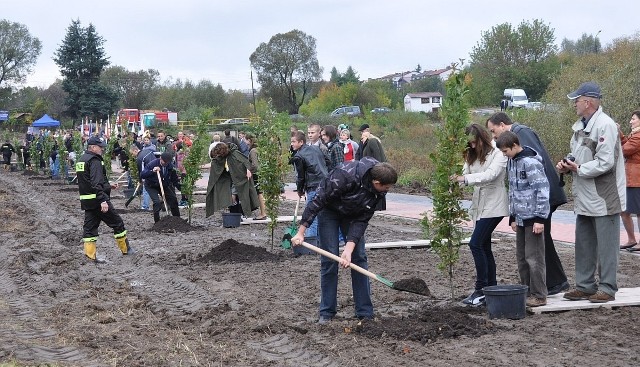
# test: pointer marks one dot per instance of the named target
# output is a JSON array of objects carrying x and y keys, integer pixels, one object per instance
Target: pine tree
[{"x": 82, "y": 59}]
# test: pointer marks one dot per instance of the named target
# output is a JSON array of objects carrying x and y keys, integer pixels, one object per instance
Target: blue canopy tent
[{"x": 45, "y": 121}]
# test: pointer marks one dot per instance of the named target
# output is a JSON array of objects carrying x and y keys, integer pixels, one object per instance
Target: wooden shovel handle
[
  {"x": 162, "y": 191},
  {"x": 351, "y": 265},
  {"x": 295, "y": 212},
  {"x": 121, "y": 176}
]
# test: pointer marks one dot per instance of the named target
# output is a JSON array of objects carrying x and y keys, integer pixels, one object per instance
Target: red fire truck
[{"x": 139, "y": 120}]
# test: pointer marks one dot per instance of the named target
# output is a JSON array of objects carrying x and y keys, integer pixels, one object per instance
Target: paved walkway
[{"x": 412, "y": 206}]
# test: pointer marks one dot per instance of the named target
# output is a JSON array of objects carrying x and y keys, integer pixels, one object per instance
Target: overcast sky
[{"x": 213, "y": 39}]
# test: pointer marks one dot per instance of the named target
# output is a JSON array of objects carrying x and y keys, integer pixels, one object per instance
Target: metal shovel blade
[
  {"x": 292, "y": 230},
  {"x": 412, "y": 285}
]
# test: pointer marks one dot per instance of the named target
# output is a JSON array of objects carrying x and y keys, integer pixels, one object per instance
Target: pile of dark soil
[
  {"x": 29, "y": 173},
  {"x": 430, "y": 324},
  {"x": 237, "y": 252},
  {"x": 171, "y": 224}
]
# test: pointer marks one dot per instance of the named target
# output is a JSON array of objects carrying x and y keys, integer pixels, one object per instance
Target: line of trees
[{"x": 523, "y": 56}]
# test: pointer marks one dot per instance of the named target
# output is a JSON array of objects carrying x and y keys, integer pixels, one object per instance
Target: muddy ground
[{"x": 214, "y": 296}]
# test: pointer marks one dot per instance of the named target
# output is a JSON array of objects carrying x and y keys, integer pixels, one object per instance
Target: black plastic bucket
[
  {"x": 506, "y": 301},
  {"x": 231, "y": 220}
]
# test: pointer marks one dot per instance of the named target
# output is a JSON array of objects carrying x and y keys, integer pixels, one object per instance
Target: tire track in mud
[
  {"x": 280, "y": 348},
  {"x": 169, "y": 292},
  {"x": 23, "y": 334},
  {"x": 29, "y": 266}
]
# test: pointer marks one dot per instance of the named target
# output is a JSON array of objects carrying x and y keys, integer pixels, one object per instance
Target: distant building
[
  {"x": 401, "y": 79},
  {"x": 423, "y": 102},
  {"x": 443, "y": 74},
  {"x": 398, "y": 79}
]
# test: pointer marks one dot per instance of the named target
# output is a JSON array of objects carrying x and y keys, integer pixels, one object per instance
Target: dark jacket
[
  {"x": 145, "y": 156},
  {"x": 167, "y": 174},
  {"x": 336, "y": 154},
  {"x": 311, "y": 168},
  {"x": 68, "y": 144},
  {"x": 349, "y": 192},
  {"x": 528, "y": 137},
  {"x": 165, "y": 146},
  {"x": 7, "y": 149},
  {"x": 371, "y": 148},
  {"x": 93, "y": 184}
]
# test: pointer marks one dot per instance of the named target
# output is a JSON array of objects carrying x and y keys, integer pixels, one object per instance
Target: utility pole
[
  {"x": 253, "y": 92},
  {"x": 595, "y": 42}
]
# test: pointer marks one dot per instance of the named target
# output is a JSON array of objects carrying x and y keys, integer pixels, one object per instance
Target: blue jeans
[
  {"x": 480, "y": 245},
  {"x": 145, "y": 198},
  {"x": 328, "y": 223},
  {"x": 55, "y": 167},
  {"x": 312, "y": 231}
]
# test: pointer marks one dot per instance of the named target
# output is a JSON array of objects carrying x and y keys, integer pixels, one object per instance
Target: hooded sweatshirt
[{"x": 528, "y": 189}]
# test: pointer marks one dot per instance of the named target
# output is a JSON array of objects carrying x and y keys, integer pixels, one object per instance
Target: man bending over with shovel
[
  {"x": 347, "y": 200},
  {"x": 160, "y": 177}
]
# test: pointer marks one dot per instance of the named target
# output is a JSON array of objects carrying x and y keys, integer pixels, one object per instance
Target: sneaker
[
  {"x": 183, "y": 203},
  {"x": 536, "y": 302},
  {"x": 562, "y": 287},
  {"x": 601, "y": 297},
  {"x": 577, "y": 295},
  {"x": 324, "y": 319},
  {"x": 475, "y": 299}
]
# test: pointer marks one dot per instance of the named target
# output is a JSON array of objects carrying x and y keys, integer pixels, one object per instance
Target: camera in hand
[
  {"x": 569, "y": 157},
  {"x": 566, "y": 159}
]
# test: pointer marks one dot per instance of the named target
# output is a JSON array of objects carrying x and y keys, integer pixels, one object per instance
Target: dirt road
[{"x": 214, "y": 296}]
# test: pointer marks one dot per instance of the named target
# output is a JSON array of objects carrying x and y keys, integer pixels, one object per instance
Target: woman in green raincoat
[{"x": 229, "y": 166}]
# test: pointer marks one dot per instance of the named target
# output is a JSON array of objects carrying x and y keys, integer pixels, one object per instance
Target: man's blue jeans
[
  {"x": 55, "y": 168},
  {"x": 480, "y": 245},
  {"x": 328, "y": 223},
  {"x": 146, "y": 199},
  {"x": 312, "y": 231}
]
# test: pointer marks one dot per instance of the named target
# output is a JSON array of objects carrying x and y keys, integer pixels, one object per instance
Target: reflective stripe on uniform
[
  {"x": 80, "y": 167},
  {"x": 90, "y": 239},
  {"x": 87, "y": 196},
  {"x": 120, "y": 235}
]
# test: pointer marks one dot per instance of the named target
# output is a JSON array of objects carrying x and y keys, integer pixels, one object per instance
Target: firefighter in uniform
[{"x": 95, "y": 201}]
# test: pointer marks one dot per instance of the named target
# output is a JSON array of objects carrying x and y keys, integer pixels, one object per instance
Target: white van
[{"x": 517, "y": 97}]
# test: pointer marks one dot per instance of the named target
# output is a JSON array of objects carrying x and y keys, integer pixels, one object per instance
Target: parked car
[
  {"x": 236, "y": 120},
  {"x": 381, "y": 110},
  {"x": 347, "y": 111}
]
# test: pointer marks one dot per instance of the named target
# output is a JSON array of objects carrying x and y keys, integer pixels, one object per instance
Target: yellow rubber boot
[
  {"x": 90, "y": 250},
  {"x": 123, "y": 245}
]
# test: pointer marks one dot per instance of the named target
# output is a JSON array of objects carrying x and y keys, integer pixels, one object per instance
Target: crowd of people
[
  {"x": 344, "y": 181},
  {"x": 603, "y": 163}
]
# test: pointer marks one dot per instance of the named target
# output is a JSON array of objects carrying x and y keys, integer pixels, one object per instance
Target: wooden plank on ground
[
  {"x": 398, "y": 244},
  {"x": 410, "y": 244},
  {"x": 555, "y": 303},
  {"x": 284, "y": 218}
]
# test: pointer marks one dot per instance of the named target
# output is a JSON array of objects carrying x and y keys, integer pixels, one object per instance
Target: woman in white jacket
[{"x": 484, "y": 169}]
